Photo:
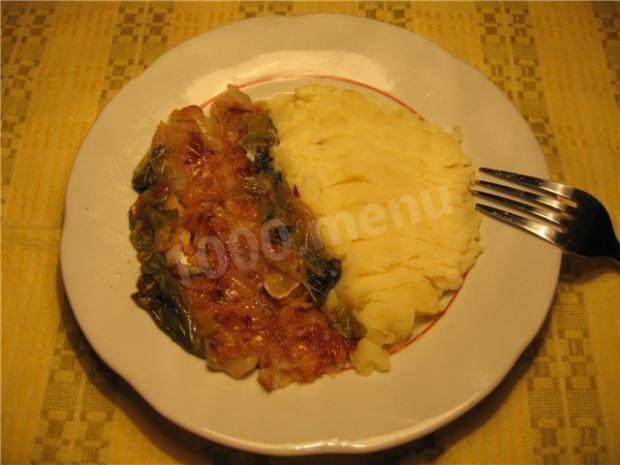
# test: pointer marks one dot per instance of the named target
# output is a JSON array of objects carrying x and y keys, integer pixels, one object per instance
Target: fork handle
[{"x": 615, "y": 255}]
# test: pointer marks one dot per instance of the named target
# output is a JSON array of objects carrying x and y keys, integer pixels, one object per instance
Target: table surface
[{"x": 62, "y": 62}]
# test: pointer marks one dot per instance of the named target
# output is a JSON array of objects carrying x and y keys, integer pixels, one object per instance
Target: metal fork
[{"x": 565, "y": 216}]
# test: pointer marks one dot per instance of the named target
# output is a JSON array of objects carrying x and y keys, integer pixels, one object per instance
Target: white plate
[{"x": 460, "y": 360}]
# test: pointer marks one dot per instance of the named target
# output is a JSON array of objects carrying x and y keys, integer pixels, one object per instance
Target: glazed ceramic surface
[{"x": 441, "y": 375}]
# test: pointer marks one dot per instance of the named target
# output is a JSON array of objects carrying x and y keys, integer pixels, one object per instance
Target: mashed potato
[{"x": 390, "y": 192}]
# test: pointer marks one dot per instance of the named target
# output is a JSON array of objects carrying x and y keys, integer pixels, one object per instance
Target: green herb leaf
[
  {"x": 150, "y": 169},
  {"x": 161, "y": 295},
  {"x": 343, "y": 322},
  {"x": 319, "y": 274}
]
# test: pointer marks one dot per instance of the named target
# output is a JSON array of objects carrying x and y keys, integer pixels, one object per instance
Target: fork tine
[
  {"x": 547, "y": 215},
  {"x": 531, "y": 181},
  {"x": 543, "y": 231},
  {"x": 538, "y": 199}
]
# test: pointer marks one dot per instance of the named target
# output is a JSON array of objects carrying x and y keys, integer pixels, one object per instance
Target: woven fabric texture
[{"x": 559, "y": 63}]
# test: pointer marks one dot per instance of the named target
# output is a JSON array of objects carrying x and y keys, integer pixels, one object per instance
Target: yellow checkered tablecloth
[{"x": 62, "y": 62}]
